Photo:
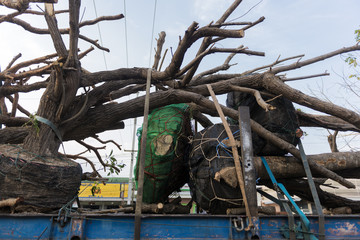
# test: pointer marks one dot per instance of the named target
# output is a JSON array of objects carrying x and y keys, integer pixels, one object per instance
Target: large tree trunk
[
  {"x": 54, "y": 181},
  {"x": 43, "y": 182},
  {"x": 346, "y": 164},
  {"x": 41, "y": 139}
]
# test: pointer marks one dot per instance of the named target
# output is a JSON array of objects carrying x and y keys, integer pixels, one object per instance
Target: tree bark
[
  {"x": 347, "y": 164},
  {"x": 43, "y": 182}
]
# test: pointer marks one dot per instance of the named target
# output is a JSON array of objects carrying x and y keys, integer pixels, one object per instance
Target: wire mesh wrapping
[
  {"x": 41, "y": 181},
  {"x": 282, "y": 121},
  {"x": 167, "y": 149},
  {"x": 209, "y": 155}
]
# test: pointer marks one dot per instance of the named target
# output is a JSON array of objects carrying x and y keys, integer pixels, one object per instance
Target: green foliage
[
  {"x": 357, "y": 35},
  {"x": 95, "y": 189},
  {"x": 351, "y": 59},
  {"x": 33, "y": 122},
  {"x": 111, "y": 160}
]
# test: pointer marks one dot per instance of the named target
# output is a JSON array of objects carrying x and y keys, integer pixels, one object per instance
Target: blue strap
[
  {"x": 50, "y": 124},
  {"x": 271, "y": 175},
  {"x": 303, "y": 218},
  {"x": 53, "y": 127}
]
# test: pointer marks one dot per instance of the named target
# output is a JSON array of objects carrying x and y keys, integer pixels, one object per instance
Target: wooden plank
[{"x": 235, "y": 153}]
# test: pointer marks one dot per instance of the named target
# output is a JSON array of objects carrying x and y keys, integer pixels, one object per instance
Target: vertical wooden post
[
  {"x": 140, "y": 190},
  {"x": 235, "y": 153}
]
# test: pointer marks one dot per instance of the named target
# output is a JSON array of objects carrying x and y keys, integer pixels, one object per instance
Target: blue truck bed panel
[{"x": 121, "y": 226}]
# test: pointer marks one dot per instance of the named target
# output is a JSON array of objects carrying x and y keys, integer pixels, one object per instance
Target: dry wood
[
  {"x": 332, "y": 141},
  {"x": 10, "y": 202},
  {"x": 228, "y": 174},
  {"x": 325, "y": 121},
  {"x": 276, "y": 86},
  {"x": 235, "y": 153},
  {"x": 339, "y": 210},
  {"x": 160, "y": 43},
  {"x": 346, "y": 164},
  {"x": 156, "y": 208},
  {"x": 257, "y": 96},
  {"x": 267, "y": 210}
]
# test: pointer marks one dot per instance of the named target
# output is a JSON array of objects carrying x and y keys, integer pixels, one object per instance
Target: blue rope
[{"x": 224, "y": 146}]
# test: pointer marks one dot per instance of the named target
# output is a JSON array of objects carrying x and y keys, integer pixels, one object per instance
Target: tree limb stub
[
  {"x": 276, "y": 86},
  {"x": 257, "y": 96},
  {"x": 54, "y": 31},
  {"x": 325, "y": 121}
]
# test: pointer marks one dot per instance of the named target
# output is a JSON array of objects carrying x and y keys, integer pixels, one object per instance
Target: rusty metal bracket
[
  {"x": 313, "y": 192},
  {"x": 77, "y": 228}
]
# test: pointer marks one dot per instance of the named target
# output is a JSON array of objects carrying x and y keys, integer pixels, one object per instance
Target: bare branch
[
  {"x": 28, "y": 63},
  {"x": 108, "y": 141},
  {"x": 224, "y": 66},
  {"x": 14, "y": 105},
  {"x": 8, "y": 90},
  {"x": 257, "y": 96},
  {"x": 254, "y": 23},
  {"x": 272, "y": 64},
  {"x": 13, "y": 60},
  {"x": 207, "y": 42},
  {"x": 276, "y": 86},
  {"x": 94, "y": 42},
  {"x": 42, "y": 13},
  {"x": 127, "y": 91},
  {"x": 160, "y": 43},
  {"x": 83, "y": 54},
  {"x": 32, "y": 29},
  {"x": 325, "y": 121},
  {"x": 305, "y": 77},
  {"x": 300, "y": 64},
  {"x": 230, "y": 24},
  {"x": 8, "y": 17},
  {"x": 99, "y": 19},
  {"x": 332, "y": 141},
  {"x": 92, "y": 165},
  {"x": 21, "y": 109},
  {"x": 98, "y": 155},
  {"x": 36, "y": 72}
]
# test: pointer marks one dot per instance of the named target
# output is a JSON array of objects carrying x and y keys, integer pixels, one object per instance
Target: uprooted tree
[{"x": 33, "y": 170}]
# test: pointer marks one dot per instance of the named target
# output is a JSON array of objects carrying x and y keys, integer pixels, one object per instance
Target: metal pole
[
  {"x": 313, "y": 192},
  {"x": 248, "y": 165},
  {"x": 131, "y": 181}
]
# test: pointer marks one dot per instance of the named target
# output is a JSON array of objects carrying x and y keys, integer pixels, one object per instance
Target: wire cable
[
  {"x": 101, "y": 41},
  {"x": 126, "y": 36}
]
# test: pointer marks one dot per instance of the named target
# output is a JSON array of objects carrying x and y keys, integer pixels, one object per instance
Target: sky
[{"x": 290, "y": 28}]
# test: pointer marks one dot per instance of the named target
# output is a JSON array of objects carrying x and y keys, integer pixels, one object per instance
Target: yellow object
[{"x": 117, "y": 190}]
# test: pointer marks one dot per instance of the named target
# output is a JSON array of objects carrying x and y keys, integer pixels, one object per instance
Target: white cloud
[{"x": 208, "y": 10}]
